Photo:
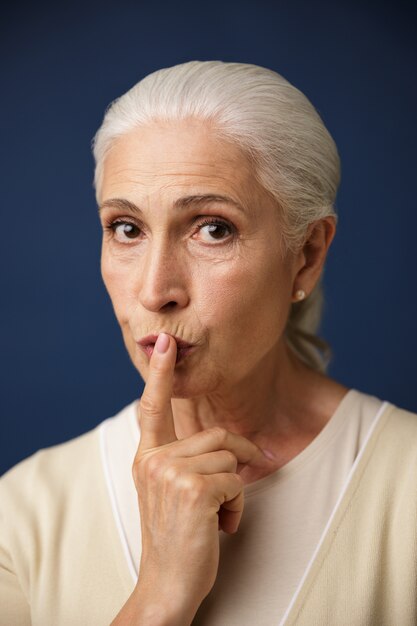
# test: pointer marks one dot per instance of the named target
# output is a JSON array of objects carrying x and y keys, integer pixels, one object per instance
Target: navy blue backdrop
[{"x": 63, "y": 365}]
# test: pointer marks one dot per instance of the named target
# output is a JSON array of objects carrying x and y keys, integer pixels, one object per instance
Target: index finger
[{"x": 156, "y": 419}]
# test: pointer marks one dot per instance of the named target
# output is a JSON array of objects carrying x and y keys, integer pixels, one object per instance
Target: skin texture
[{"x": 240, "y": 405}]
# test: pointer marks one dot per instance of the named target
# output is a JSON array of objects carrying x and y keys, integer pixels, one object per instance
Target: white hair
[{"x": 294, "y": 157}]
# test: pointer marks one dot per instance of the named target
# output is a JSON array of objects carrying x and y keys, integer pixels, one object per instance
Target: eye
[
  {"x": 123, "y": 231},
  {"x": 211, "y": 230}
]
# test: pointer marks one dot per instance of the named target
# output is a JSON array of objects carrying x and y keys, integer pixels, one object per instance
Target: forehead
[{"x": 166, "y": 158}]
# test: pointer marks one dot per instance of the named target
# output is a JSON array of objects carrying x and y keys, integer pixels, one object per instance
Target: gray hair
[{"x": 294, "y": 157}]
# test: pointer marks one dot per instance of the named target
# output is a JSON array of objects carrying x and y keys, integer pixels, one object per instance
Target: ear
[{"x": 311, "y": 257}]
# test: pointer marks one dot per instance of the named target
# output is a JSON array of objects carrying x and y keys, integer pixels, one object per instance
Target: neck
[{"x": 280, "y": 406}]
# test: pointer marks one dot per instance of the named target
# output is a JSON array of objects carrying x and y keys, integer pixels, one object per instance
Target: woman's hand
[{"x": 187, "y": 490}]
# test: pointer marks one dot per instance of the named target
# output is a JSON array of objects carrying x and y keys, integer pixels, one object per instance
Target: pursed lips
[{"x": 147, "y": 345}]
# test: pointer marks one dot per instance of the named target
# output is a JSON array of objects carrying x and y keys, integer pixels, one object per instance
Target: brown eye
[
  {"x": 217, "y": 231},
  {"x": 211, "y": 231},
  {"x": 125, "y": 230}
]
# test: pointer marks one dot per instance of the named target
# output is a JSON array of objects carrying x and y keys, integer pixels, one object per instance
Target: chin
[
  {"x": 191, "y": 384},
  {"x": 186, "y": 384}
]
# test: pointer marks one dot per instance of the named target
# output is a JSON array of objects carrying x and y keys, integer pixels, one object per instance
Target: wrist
[
  {"x": 156, "y": 614},
  {"x": 147, "y": 607}
]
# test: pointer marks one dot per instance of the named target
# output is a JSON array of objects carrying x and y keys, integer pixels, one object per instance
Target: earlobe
[{"x": 300, "y": 294}]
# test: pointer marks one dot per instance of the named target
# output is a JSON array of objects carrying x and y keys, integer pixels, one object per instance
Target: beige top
[{"x": 62, "y": 562}]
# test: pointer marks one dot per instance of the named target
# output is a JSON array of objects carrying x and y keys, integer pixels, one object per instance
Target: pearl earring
[{"x": 300, "y": 294}]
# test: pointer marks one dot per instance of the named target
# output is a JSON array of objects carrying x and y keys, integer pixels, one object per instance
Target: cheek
[
  {"x": 244, "y": 300},
  {"x": 116, "y": 281}
]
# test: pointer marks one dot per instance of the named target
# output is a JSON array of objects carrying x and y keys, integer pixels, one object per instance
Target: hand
[{"x": 187, "y": 490}]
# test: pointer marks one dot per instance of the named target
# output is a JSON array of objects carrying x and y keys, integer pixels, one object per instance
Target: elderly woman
[{"x": 263, "y": 492}]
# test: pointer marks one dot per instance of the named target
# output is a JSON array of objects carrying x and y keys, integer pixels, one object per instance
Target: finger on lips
[
  {"x": 156, "y": 419},
  {"x": 215, "y": 453}
]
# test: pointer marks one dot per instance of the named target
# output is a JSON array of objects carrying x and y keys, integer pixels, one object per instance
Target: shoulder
[
  {"x": 400, "y": 424},
  {"x": 56, "y": 519},
  {"x": 52, "y": 465},
  {"x": 391, "y": 428},
  {"x": 46, "y": 478},
  {"x": 391, "y": 452},
  {"x": 398, "y": 444}
]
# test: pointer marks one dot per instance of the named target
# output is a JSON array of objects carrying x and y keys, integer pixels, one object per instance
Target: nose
[{"x": 163, "y": 278}]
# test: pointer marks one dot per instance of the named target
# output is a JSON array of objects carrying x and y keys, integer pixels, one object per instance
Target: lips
[{"x": 147, "y": 345}]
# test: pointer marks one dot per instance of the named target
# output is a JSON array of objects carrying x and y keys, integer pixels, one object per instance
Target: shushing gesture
[{"x": 187, "y": 490}]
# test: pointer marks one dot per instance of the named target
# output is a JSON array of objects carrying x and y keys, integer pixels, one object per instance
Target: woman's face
[{"x": 192, "y": 247}]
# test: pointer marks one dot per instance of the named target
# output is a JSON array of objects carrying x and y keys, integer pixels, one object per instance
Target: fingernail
[{"x": 162, "y": 343}]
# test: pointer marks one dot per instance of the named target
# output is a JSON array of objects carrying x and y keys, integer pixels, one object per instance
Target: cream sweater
[
  {"x": 62, "y": 563},
  {"x": 284, "y": 517}
]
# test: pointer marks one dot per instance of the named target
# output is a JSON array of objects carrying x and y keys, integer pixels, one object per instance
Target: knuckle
[
  {"x": 147, "y": 467},
  {"x": 149, "y": 406},
  {"x": 192, "y": 487},
  {"x": 155, "y": 467},
  {"x": 229, "y": 457},
  {"x": 171, "y": 474},
  {"x": 218, "y": 433},
  {"x": 239, "y": 480}
]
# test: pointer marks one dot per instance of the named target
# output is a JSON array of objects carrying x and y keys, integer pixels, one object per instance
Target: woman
[{"x": 216, "y": 186}]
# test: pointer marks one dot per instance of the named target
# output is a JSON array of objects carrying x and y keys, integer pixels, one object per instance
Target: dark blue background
[{"x": 63, "y": 364}]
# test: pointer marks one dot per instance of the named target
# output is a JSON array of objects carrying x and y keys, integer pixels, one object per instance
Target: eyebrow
[{"x": 181, "y": 203}]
